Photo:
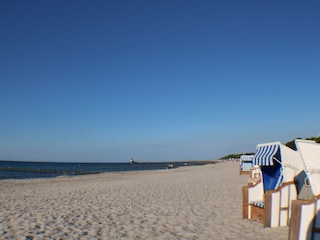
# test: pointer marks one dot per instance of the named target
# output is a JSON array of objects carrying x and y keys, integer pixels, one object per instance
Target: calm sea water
[{"x": 25, "y": 170}]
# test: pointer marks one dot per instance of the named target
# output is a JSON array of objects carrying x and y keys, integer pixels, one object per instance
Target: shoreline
[
  {"x": 105, "y": 174},
  {"x": 198, "y": 202},
  {"x": 57, "y": 171}
]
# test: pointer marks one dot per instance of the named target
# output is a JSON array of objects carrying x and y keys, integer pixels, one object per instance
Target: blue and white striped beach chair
[{"x": 269, "y": 201}]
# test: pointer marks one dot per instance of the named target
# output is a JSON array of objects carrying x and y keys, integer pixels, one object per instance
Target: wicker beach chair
[
  {"x": 269, "y": 200},
  {"x": 245, "y": 164},
  {"x": 305, "y": 214}
]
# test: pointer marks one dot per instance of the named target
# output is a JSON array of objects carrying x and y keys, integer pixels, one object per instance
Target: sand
[{"x": 198, "y": 202}]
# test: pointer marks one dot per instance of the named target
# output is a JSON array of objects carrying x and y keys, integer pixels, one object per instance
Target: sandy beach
[{"x": 198, "y": 202}]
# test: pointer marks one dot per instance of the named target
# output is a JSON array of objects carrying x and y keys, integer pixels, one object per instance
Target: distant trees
[
  {"x": 316, "y": 139},
  {"x": 230, "y": 156},
  {"x": 291, "y": 144},
  {"x": 235, "y": 156}
]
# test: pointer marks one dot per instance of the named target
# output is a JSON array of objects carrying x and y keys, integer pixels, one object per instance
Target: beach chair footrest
[{"x": 259, "y": 204}]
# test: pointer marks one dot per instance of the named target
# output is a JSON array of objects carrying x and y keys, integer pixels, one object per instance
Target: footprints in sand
[{"x": 196, "y": 203}]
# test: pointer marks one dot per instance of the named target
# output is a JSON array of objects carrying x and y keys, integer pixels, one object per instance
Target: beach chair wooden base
[
  {"x": 244, "y": 172},
  {"x": 257, "y": 214},
  {"x": 245, "y": 202}
]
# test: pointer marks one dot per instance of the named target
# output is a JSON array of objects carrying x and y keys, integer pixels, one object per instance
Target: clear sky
[{"x": 158, "y": 80}]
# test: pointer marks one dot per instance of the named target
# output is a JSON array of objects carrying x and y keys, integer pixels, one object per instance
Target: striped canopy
[
  {"x": 264, "y": 154},
  {"x": 247, "y": 158},
  {"x": 246, "y": 162}
]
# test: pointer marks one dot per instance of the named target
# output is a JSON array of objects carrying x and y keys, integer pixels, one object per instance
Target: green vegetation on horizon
[
  {"x": 291, "y": 144},
  {"x": 236, "y": 155}
]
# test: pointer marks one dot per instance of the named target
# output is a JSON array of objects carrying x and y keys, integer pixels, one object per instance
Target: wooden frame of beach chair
[
  {"x": 305, "y": 220},
  {"x": 305, "y": 214},
  {"x": 253, "y": 193},
  {"x": 254, "y": 184},
  {"x": 272, "y": 207},
  {"x": 277, "y": 205}
]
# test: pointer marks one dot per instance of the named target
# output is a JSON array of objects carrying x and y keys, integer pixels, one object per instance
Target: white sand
[{"x": 199, "y": 202}]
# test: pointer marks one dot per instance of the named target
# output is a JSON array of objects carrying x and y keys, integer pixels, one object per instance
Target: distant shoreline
[
  {"x": 28, "y": 170},
  {"x": 158, "y": 161}
]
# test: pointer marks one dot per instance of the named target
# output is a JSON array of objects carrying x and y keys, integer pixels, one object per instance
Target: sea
[{"x": 28, "y": 170}]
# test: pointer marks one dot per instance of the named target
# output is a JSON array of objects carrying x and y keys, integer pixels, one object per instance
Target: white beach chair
[
  {"x": 269, "y": 200},
  {"x": 305, "y": 214},
  {"x": 245, "y": 164}
]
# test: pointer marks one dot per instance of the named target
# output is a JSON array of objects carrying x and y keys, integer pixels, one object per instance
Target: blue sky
[{"x": 101, "y": 81}]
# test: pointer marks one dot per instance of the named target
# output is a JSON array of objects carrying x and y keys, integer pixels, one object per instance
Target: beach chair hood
[
  {"x": 310, "y": 155},
  {"x": 278, "y": 163}
]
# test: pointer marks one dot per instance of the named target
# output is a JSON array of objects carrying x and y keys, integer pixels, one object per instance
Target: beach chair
[
  {"x": 268, "y": 201},
  {"x": 245, "y": 164},
  {"x": 305, "y": 214}
]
